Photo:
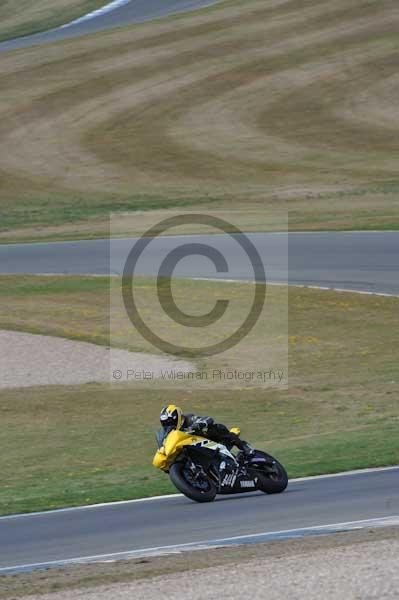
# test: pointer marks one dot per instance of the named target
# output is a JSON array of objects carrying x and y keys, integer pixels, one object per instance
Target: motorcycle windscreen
[{"x": 161, "y": 435}]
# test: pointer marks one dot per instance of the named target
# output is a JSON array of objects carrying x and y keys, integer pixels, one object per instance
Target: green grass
[
  {"x": 87, "y": 444},
  {"x": 57, "y": 211},
  {"x": 73, "y": 445},
  {"x": 26, "y": 287}
]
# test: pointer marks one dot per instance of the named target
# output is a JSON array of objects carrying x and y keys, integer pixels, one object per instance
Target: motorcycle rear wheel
[
  {"x": 273, "y": 482},
  {"x": 179, "y": 477}
]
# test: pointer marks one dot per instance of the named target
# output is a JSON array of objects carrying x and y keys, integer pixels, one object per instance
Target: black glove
[
  {"x": 201, "y": 425},
  {"x": 248, "y": 450}
]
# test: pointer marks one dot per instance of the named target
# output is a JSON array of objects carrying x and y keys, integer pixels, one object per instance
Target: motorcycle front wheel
[{"x": 199, "y": 489}]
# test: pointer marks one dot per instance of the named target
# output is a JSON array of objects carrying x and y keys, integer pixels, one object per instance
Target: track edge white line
[{"x": 325, "y": 529}]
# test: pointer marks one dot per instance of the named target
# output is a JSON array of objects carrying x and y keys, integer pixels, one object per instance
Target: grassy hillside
[
  {"x": 288, "y": 103},
  {"x": 22, "y": 17}
]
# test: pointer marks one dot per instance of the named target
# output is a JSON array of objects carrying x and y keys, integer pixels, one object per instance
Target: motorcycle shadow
[{"x": 234, "y": 497}]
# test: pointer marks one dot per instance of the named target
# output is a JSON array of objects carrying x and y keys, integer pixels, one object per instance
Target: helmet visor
[{"x": 169, "y": 422}]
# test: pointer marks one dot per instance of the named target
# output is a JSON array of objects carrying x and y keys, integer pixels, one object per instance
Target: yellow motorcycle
[{"x": 201, "y": 468}]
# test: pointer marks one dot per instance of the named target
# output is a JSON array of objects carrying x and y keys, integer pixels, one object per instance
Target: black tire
[
  {"x": 273, "y": 482},
  {"x": 176, "y": 474}
]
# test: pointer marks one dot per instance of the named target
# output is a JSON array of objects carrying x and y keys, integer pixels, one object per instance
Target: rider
[{"x": 173, "y": 416}]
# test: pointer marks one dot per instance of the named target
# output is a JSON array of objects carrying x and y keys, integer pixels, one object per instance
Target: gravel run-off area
[
  {"x": 32, "y": 360},
  {"x": 355, "y": 571}
]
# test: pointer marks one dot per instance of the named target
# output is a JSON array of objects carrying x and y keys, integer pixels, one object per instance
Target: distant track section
[
  {"x": 365, "y": 262},
  {"x": 116, "y": 14}
]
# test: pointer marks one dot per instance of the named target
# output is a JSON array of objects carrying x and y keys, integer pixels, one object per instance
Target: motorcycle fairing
[
  {"x": 176, "y": 440},
  {"x": 173, "y": 444}
]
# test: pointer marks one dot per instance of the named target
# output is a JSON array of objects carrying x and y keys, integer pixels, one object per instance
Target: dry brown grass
[
  {"x": 22, "y": 17},
  {"x": 281, "y": 103}
]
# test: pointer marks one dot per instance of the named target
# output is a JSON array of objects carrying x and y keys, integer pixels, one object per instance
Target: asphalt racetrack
[
  {"x": 135, "y": 11},
  {"x": 126, "y": 527},
  {"x": 360, "y": 261}
]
